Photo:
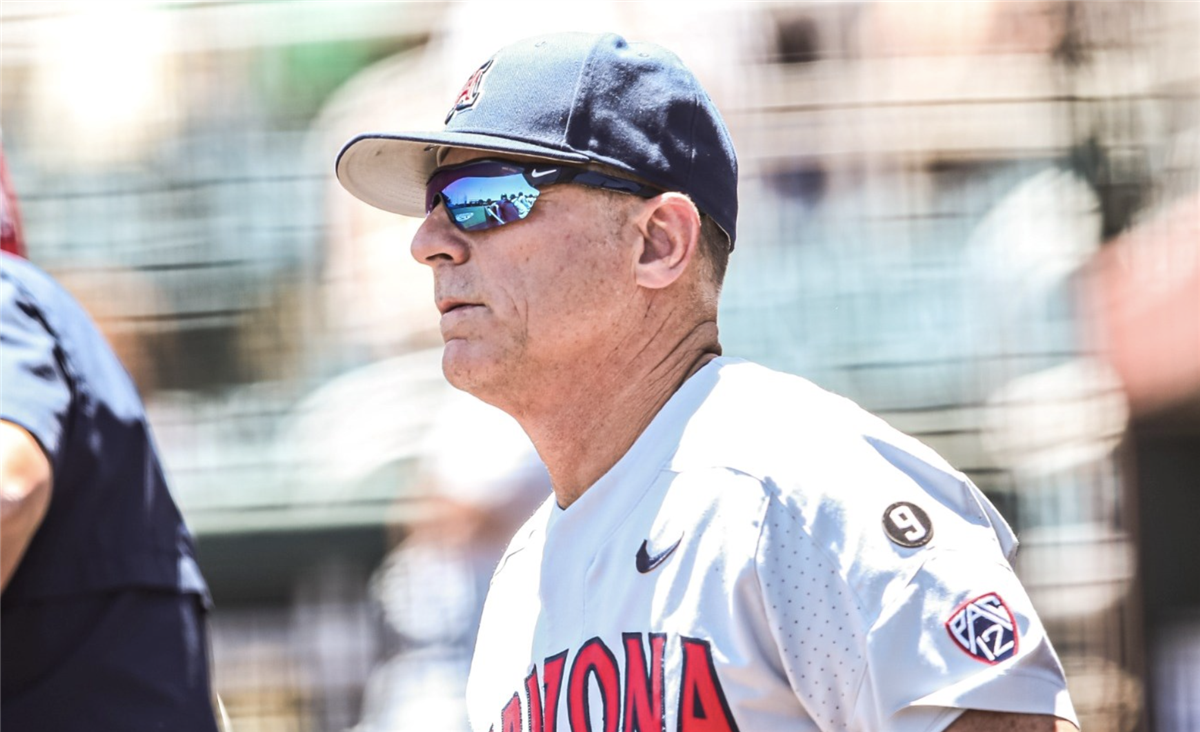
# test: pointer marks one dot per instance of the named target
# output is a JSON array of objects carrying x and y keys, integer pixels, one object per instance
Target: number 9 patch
[{"x": 907, "y": 524}]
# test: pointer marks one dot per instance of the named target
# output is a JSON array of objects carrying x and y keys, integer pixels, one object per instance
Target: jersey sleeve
[
  {"x": 961, "y": 634},
  {"x": 34, "y": 390},
  {"x": 902, "y": 648}
]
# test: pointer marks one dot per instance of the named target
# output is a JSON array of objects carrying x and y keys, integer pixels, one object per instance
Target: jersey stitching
[
  {"x": 948, "y": 716},
  {"x": 526, "y": 533},
  {"x": 1015, "y": 672},
  {"x": 584, "y": 71},
  {"x": 616, "y": 526},
  {"x": 772, "y": 493}
]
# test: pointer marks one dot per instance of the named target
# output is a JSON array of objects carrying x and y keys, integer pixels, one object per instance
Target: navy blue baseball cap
[{"x": 570, "y": 98}]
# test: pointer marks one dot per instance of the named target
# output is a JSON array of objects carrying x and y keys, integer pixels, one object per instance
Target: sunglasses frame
[{"x": 536, "y": 176}]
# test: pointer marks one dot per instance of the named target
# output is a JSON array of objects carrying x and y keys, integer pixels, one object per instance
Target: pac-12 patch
[{"x": 985, "y": 628}]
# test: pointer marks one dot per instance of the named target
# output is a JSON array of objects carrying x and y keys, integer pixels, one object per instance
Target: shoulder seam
[{"x": 773, "y": 498}]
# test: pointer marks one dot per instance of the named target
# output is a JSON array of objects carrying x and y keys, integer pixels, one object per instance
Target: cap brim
[{"x": 389, "y": 170}]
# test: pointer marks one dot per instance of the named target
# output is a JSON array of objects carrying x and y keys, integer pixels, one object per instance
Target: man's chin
[{"x": 464, "y": 367}]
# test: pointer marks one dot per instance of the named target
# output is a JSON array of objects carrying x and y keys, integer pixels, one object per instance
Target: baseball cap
[{"x": 570, "y": 98}]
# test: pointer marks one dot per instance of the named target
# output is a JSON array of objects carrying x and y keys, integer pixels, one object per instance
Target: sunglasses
[{"x": 485, "y": 194}]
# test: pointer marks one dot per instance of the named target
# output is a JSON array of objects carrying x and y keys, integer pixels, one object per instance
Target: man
[
  {"x": 102, "y": 611},
  {"x": 727, "y": 548},
  {"x": 508, "y": 210}
]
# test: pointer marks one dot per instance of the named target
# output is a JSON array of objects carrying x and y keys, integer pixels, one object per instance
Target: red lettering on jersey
[
  {"x": 535, "y": 701},
  {"x": 594, "y": 659},
  {"x": 510, "y": 718},
  {"x": 702, "y": 703},
  {"x": 554, "y": 674},
  {"x": 644, "y": 687}
]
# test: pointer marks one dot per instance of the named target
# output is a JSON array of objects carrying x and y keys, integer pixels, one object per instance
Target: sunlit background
[{"x": 979, "y": 220}]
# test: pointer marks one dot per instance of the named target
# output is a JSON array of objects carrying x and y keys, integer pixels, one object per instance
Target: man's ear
[{"x": 670, "y": 228}]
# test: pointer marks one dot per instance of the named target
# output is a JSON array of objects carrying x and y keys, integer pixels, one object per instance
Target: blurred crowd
[{"x": 978, "y": 220}]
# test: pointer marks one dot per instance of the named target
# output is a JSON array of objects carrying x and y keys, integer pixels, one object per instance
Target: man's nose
[{"x": 438, "y": 240}]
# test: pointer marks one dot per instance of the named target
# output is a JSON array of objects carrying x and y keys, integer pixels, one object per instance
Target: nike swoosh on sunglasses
[{"x": 485, "y": 194}]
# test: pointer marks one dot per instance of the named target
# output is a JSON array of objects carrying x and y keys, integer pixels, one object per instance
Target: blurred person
[
  {"x": 12, "y": 238},
  {"x": 493, "y": 211},
  {"x": 1145, "y": 286},
  {"x": 508, "y": 210},
  {"x": 523, "y": 205},
  {"x": 432, "y": 585},
  {"x": 102, "y": 605},
  {"x": 726, "y": 547}
]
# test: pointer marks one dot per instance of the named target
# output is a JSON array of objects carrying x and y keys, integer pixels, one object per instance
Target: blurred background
[{"x": 979, "y": 220}]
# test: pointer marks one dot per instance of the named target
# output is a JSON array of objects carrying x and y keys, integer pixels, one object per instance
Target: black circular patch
[{"x": 907, "y": 524}]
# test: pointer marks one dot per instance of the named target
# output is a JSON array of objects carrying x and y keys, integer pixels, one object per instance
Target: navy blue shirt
[
  {"x": 111, "y": 522},
  {"x": 103, "y": 622}
]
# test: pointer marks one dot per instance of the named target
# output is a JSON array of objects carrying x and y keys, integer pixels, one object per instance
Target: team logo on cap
[
  {"x": 470, "y": 92},
  {"x": 985, "y": 629}
]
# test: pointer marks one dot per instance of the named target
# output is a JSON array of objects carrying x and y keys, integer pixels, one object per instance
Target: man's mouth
[{"x": 450, "y": 305}]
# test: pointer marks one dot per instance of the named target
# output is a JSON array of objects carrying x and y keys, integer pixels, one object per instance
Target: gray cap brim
[{"x": 390, "y": 170}]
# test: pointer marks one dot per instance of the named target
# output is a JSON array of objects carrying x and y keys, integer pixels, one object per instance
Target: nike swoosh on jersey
[{"x": 647, "y": 563}]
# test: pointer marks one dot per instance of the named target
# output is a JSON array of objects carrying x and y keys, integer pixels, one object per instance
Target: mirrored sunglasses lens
[{"x": 483, "y": 202}]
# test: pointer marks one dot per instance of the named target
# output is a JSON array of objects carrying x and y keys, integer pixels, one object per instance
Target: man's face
[{"x": 530, "y": 304}]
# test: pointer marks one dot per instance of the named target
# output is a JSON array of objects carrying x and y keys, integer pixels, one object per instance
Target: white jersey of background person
[{"x": 804, "y": 567}]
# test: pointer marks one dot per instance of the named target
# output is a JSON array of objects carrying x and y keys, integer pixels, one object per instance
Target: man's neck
[{"x": 582, "y": 433}]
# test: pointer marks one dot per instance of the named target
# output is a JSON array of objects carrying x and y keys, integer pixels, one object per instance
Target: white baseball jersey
[{"x": 767, "y": 556}]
